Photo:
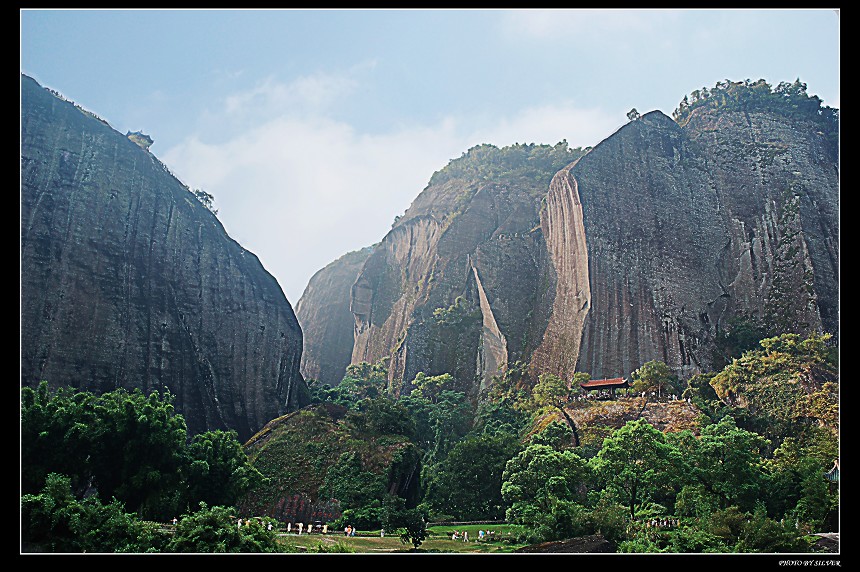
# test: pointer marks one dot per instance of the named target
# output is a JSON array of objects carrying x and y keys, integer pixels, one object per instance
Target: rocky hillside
[
  {"x": 596, "y": 420},
  {"x": 643, "y": 248},
  {"x": 127, "y": 280},
  {"x": 326, "y": 321},
  {"x": 296, "y": 453}
]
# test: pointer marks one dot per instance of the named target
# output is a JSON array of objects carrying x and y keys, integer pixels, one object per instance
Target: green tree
[
  {"x": 440, "y": 424},
  {"x": 724, "y": 460},
  {"x": 468, "y": 483},
  {"x": 430, "y": 387},
  {"x": 741, "y": 334},
  {"x": 546, "y": 489},
  {"x": 510, "y": 389},
  {"x": 635, "y": 462},
  {"x": 123, "y": 443},
  {"x": 557, "y": 435},
  {"x": 384, "y": 416},
  {"x": 55, "y": 521},
  {"x": 553, "y": 392},
  {"x": 654, "y": 376},
  {"x": 534, "y": 164},
  {"x": 361, "y": 381},
  {"x": 787, "y": 387},
  {"x": 55, "y": 436},
  {"x": 136, "y": 450},
  {"x": 762, "y": 534},
  {"x": 206, "y": 199},
  {"x": 215, "y": 530},
  {"x": 218, "y": 471},
  {"x": 409, "y": 523},
  {"x": 499, "y": 418},
  {"x": 795, "y": 487},
  {"x": 351, "y": 484}
]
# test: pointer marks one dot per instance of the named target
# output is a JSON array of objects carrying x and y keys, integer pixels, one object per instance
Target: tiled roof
[{"x": 595, "y": 383}]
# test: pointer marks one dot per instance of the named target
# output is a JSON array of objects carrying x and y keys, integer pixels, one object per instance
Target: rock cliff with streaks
[
  {"x": 646, "y": 247},
  {"x": 127, "y": 280}
]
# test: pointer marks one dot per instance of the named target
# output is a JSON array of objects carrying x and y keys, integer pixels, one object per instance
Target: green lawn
[{"x": 438, "y": 540}]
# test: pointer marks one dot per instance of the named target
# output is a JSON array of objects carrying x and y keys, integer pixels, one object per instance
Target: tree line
[
  {"x": 748, "y": 479},
  {"x": 789, "y": 99}
]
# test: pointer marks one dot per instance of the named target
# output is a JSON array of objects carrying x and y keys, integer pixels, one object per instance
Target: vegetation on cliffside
[{"x": 789, "y": 99}]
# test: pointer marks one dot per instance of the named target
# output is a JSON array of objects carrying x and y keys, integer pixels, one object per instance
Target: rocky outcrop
[
  {"x": 326, "y": 320},
  {"x": 128, "y": 281},
  {"x": 473, "y": 237},
  {"x": 644, "y": 248},
  {"x": 564, "y": 233},
  {"x": 733, "y": 214}
]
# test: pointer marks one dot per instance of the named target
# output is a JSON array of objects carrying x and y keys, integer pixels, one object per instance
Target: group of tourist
[
  {"x": 662, "y": 523},
  {"x": 247, "y": 522},
  {"x": 464, "y": 536},
  {"x": 300, "y": 527}
]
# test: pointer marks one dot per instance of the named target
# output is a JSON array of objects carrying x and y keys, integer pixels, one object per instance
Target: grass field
[{"x": 438, "y": 540}]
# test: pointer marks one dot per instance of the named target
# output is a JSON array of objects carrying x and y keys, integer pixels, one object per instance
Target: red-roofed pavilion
[{"x": 600, "y": 384}]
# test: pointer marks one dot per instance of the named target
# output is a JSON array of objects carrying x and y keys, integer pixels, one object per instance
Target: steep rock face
[
  {"x": 327, "y": 323},
  {"x": 564, "y": 232},
  {"x": 644, "y": 248},
  {"x": 128, "y": 281},
  {"x": 475, "y": 237},
  {"x": 686, "y": 227}
]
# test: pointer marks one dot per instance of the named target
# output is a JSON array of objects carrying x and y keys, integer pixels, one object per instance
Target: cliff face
[
  {"x": 642, "y": 249},
  {"x": 326, "y": 320},
  {"x": 473, "y": 236},
  {"x": 128, "y": 281},
  {"x": 736, "y": 213}
]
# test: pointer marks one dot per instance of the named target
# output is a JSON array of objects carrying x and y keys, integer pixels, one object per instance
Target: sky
[{"x": 314, "y": 129}]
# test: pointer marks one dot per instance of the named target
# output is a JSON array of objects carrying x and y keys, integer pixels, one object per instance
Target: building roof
[{"x": 601, "y": 383}]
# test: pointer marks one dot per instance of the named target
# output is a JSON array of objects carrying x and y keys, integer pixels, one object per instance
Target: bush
[
  {"x": 215, "y": 530},
  {"x": 55, "y": 521}
]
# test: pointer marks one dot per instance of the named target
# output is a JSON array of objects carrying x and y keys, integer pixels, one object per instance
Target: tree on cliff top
[
  {"x": 787, "y": 99},
  {"x": 554, "y": 392},
  {"x": 654, "y": 375}
]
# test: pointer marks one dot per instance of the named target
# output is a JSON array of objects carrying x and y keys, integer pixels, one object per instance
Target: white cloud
[
  {"x": 312, "y": 93},
  {"x": 300, "y": 190}
]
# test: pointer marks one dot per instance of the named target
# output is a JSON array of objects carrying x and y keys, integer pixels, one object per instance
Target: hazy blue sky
[{"x": 313, "y": 129}]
